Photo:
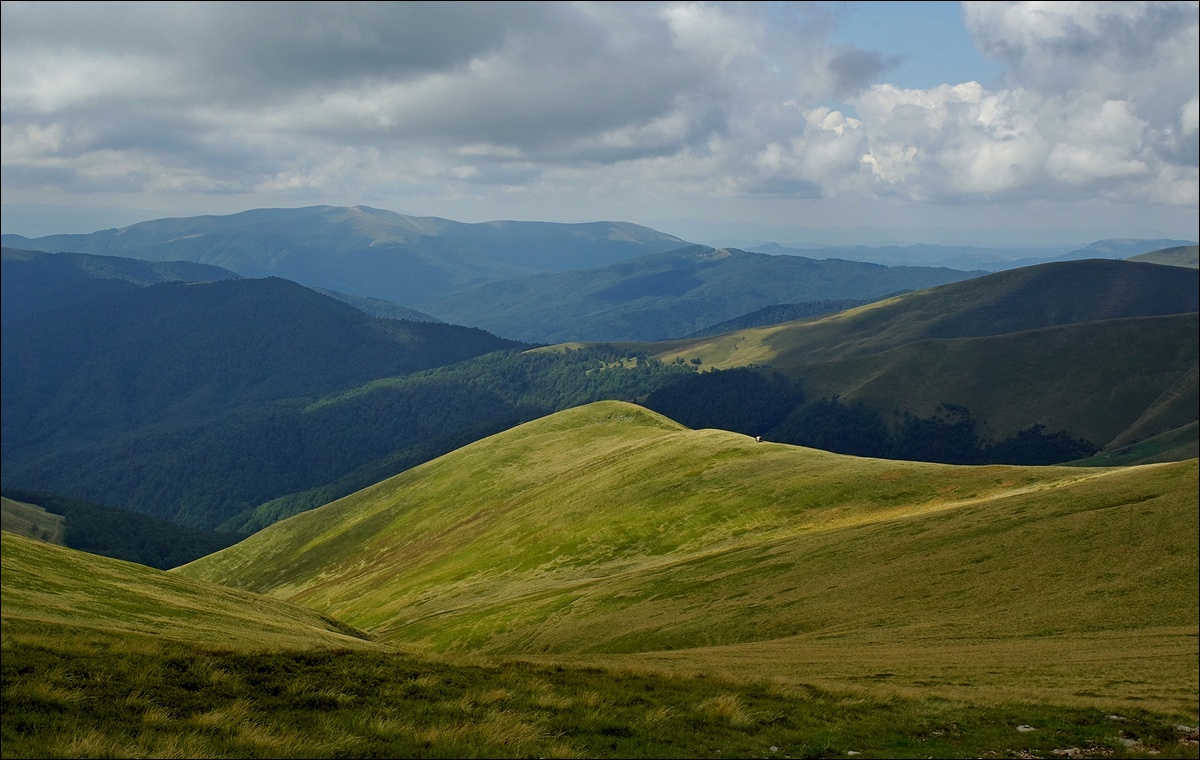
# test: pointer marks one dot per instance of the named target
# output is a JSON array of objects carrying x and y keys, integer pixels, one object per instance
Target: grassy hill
[
  {"x": 1106, "y": 350},
  {"x": 1176, "y": 256},
  {"x": 104, "y": 658},
  {"x": 31, "y": 521},
  {"x": 365, "y": 251},
  {"x": 49, "y": 587},
  {"x": 639, "y": 590},
  {"x": 608, "y": 534},
  {"x": 665, "y": 295}
]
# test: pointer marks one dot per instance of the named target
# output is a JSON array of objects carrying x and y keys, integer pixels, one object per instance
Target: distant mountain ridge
[
  {"x": 973, "y": 257},
  {"x": 667, "y": 295},
  {"x": 35, "y": 281},
  {"x": 366, "y": 251}
]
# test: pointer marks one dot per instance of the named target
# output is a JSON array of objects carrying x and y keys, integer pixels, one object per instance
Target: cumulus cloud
[{"x": 455, "y": 100}]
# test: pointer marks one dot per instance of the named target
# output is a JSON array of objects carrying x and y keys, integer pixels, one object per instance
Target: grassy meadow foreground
[{"x": 606, "y": 582}]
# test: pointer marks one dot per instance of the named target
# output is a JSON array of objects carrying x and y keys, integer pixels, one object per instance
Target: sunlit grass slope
[
  {"x": 48, "y": 590},
  {"x": 1017, "y": 300},
  {"x": 1105, "y": 350},
  {"x": 1112, "y": 381},
  {"x": 31, "y": 521},
  {"x": 608, "y": 531}
]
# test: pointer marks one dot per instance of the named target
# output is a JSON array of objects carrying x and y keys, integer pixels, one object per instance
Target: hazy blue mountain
[
  {"x": 971, "y": 257},
  {"x": 366, "y": 251},
  {"x": 669, "y": 295},
  {"x": 36, "y": 281},
  {"x": 378, "y": 307},
  {"x": 1122, "y": 248}
]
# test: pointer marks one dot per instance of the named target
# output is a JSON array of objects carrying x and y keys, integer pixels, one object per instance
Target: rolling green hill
[
  {"x": 1177, "y": 256},
  {"x": 47, "y": 587},
  {"x": 666, "y": 295},
  {"x": 105, "y": 658},
  {"x": 609, "y": 534},
  {"x": 1105, "y": 350},
  {"x": 365, "y": 251}
]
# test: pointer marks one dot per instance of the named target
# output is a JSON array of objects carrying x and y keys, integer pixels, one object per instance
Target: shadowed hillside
[
  {"x": 179, "y": 351},
  {"x": 609, "y": 530},
  {"x": 665, "y": 295},
  {"x": 34, "y": 281}
]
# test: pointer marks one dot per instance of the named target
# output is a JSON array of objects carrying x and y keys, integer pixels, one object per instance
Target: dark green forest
[
  {"x": 246, "y": 468},
  {"x": 126, "y": 535},
  {"x": 214, "y": 471},
  {"x": 753, "y": 402}
]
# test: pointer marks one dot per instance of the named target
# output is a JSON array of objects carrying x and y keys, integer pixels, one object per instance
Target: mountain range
[
  {"x": 668, "y": 295},
  {"x": 365, "y": 251},
  {"x": 240, "y": 402},
  {"x": 976, "y": 257},
  {"x": 953, "y": 517}
]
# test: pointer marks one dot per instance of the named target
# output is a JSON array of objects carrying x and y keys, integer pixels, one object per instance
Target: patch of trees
[
  {"x": 950, "y": 436},
  {"x": 756, "y": 403},
  {"x": 119, "y": 533},
  {"x": 741, "y": 400}
]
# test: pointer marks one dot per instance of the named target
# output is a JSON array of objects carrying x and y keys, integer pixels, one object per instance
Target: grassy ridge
[
  {"x": 1105, "y": 350},
  {"x": 609, "y": 530},
  {"x": 48, "y": 589},
  {"x": 1179, "y": 256},
  {"x": 1023, "y": 299},
  {"x": 1110, "y": 381}
]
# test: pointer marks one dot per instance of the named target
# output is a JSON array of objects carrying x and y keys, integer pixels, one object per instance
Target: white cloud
[{"x": 621, "y": 102}]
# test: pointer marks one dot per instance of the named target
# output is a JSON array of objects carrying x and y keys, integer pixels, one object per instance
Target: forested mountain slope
[
  {"x": 1100, "y": 350},
  {"x": 666, "y": 295}
]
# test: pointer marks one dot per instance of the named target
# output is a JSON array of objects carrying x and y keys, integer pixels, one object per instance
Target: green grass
[
  {"x": 30, "y": 520},
  {"x": 606, "y": 583},
  {"x": 1180, "y": 256},
  {"x": 1093, "y": 347},
  {"x": 86, "y": 695},
  {"x": 608, "y": 533},
  {"x": 49, "y": 588},
  {"x": 1096, "y": 380}
]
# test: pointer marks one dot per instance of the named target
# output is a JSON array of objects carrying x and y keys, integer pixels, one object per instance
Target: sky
[{"x": 992, "y": 123}]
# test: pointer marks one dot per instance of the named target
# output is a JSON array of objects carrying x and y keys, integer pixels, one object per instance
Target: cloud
[{"x": 618, "y": 100}]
